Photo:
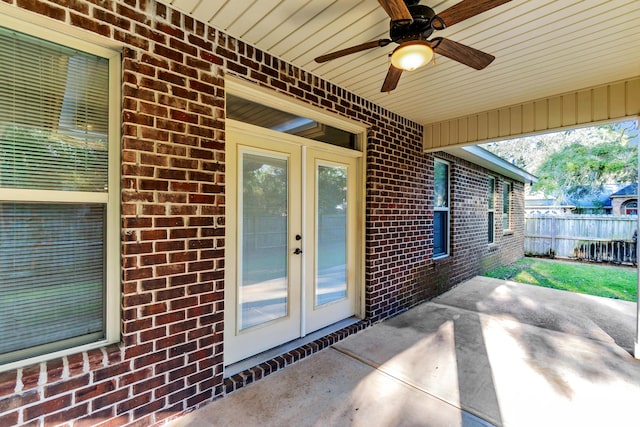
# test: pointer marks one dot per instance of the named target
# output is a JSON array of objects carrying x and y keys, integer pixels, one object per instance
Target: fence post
[{"x": 554, "y": 232}]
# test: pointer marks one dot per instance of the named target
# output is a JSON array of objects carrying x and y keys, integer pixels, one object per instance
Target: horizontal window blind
[
  {"x": 53, "y": 116},
  {"x": 54, "y": 122},
  {"x": 51, "y": 273}
]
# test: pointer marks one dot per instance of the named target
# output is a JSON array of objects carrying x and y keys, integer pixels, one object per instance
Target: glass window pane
[
  {"x": 54, "y": 109},
  {"x": 263, "y": 290},
  {"x": 260, "y": 115},
  {"x": 331, "y": 217},
  {"x": 441, "y": 184},
  {"x": 491, "y": 227},
  {"x": 51, "y": 274},
  {"x": 491, "y": 194},
  {"x": 440, "y": 233},
  {"x": 506, "y": 208}
]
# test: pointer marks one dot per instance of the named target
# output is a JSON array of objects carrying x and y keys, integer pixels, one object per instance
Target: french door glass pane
[
  {"x": 51, "y": 275},
  {"x": 331, "y": 217},
  {"x": 263, "y": 289}
]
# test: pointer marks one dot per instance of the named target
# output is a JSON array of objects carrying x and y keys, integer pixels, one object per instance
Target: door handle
[{"x": 298, "y": 251}]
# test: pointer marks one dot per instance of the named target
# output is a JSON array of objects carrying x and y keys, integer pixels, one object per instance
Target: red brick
[
  {"x": 172, "y": 317},
  {"x": 55, "y": 369},
  {"x": 183, "y": 47},
  {"x": 152, "y": 334},
  {"x": 170, "y": 30},
  {"x": 153, "y": 259},
  {"x": 132, "y": 14},
  {"x": 111, "y": 371},
  {"x": 43, "y": 8},
  {"x": 168, "y": 222},
  {"x": 47, "y": 407},
  {"x": 90, "y": 24},
  {"x": 110, "y": 399},
  {"x": 150, "y": 310},
  {"x": 7, "y": 382},
  {"x": 66, "y": 386},
  {"x": 134, "y": 402},
  {"x": 137, "y": 325},
  {"x": 94, "y": 390},
  {"x": 136, "y": 377},
  {"x": 153, "y": 284},
  {"x": 153, "y": 234},
  {"x": 169, "y": 53},
  {"x": 70, "y": 414},
  {"x": 135, "y": 300},
  {"x": 167, "y": 270},
  {"x": 150, "y": 359},
  {"x": 30, "y": 376},
  {"x": 10, "y": 419},
  {"x": 18, "y": 400}
]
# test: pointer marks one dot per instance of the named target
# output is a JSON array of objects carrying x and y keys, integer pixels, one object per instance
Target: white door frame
[{"x": 235, "y": 350}]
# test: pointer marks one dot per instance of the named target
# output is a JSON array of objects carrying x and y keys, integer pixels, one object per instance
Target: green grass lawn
[{"x": 593, "y": 279}]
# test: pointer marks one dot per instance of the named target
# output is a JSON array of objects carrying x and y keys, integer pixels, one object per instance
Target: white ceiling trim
[{"x": 542, "y": 48}]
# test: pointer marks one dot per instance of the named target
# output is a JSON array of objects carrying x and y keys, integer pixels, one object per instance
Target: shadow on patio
[{"x": 486, "y": 352}]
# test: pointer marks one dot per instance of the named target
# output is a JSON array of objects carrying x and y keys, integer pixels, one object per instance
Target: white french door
[{"x": 292, "y": 251}]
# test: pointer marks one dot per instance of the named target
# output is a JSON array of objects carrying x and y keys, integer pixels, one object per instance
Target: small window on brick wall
[
  {"x": 491, "y": 196},
  {"x": 441, "y": 209},
  {"x": 59, "y": 195},
  {"x": 506, "y": 206}
]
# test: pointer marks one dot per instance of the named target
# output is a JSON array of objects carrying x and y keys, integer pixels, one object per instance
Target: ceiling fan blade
[
  {"x": 352, "y": 49},
  {"x": 462, "y": 53},
  {"x": 397, "y": 11},
  {"x": 466, "y": 9},
  {"x": 391, "y": 81}
]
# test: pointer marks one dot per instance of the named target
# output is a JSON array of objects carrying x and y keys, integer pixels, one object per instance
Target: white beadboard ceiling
[{"x": 542, "y": 48}]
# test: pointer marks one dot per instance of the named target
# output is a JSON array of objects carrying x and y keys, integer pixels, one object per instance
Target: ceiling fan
[{"x": 411, "y": 26}]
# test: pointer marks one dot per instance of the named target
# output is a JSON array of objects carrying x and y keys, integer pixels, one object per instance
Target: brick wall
[
  {"x": 470, "y": 253},
  {"x": 170, "y": 358}
]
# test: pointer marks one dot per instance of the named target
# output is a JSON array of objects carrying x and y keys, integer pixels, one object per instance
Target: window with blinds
[
  {"x": 441, "y": 208},
  {"x": 491, "y": 196},
  {"x": 506, "y": 206},
  {"x": 58, "y": 236}
]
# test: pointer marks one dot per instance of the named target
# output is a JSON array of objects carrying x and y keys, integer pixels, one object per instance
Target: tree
[
  {"x": 578, "y": 170},
  {"x": 576, "y": 163}
]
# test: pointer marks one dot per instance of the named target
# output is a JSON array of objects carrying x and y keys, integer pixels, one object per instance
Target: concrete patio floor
[{"x": 488, "y": 352}]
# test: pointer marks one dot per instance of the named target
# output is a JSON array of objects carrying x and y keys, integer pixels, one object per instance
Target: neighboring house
[
  {"x": 625, "y": 200},
  {"x": 616, "y": 199},
  {"x": 598, "y": 203},
  {"x": 537, "y": 204},
  {"x": 171, "y": 195}
]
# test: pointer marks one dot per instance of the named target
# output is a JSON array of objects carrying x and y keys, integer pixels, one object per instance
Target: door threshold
[{"x": 259, "y": 358}]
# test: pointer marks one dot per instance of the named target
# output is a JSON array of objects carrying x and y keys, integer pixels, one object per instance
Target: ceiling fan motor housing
[{"x": 421, "y": 27}]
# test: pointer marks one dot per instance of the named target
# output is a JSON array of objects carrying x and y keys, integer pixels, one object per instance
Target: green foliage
[
  {"x": 579, "y": 170},
  {"x": 578, "y": 162},
  {"x": 599, "y": 280},
  {"x": 40, "y": 158},
  {"x": 265, "y": 185},
  {"x": 332, "y": 189}
]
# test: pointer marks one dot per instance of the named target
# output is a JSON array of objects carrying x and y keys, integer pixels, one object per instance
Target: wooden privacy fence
[{"x": 598, "y": 238}]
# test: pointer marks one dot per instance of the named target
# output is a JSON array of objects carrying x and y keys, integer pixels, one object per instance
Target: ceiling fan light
[{"x": 411, "y": 55}]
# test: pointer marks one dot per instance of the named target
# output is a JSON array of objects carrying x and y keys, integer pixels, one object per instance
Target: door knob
[{"x": 298, "y": 251}]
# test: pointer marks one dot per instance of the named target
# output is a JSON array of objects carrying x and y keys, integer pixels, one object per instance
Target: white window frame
[
  {"x": 491, "y": 197},
  {"x": 446, "y": 209},
  {"x": 111, "y": 198},
  {"x": 507, "y": 189}
]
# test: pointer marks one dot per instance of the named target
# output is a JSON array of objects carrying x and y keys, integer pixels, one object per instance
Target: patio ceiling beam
[{"x": 599, "y": 104}]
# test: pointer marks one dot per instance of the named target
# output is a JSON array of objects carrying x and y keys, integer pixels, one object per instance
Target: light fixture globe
[{"x": 412, "y": 55}]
